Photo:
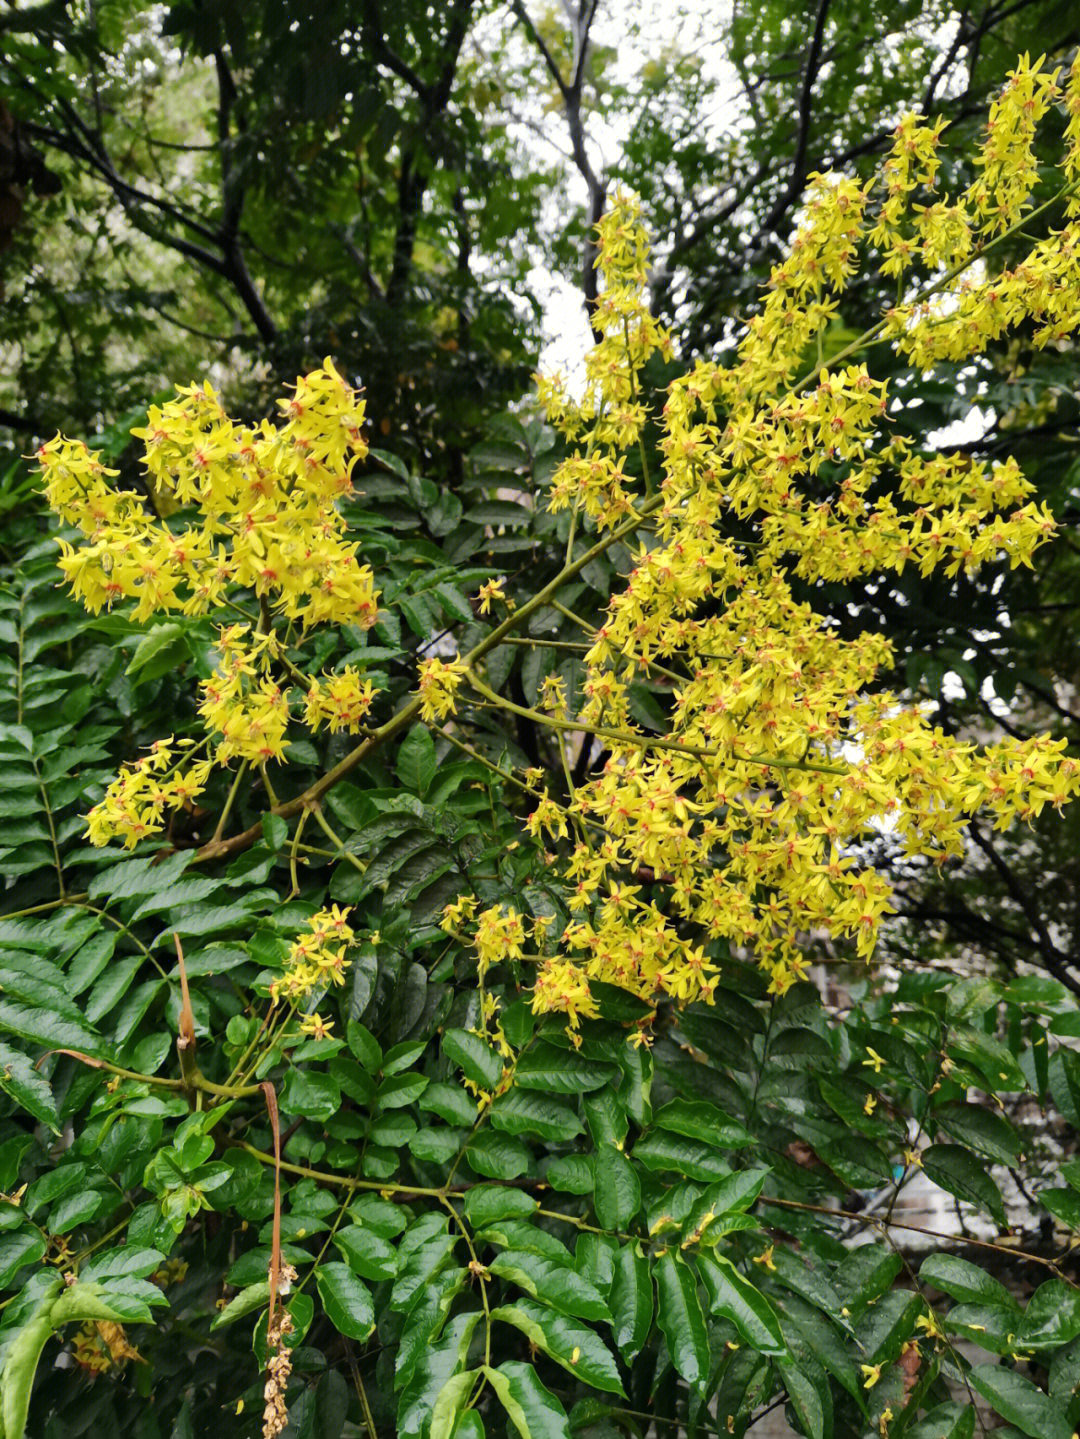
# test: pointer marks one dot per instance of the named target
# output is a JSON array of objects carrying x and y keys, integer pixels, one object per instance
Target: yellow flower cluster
[
  {"x": 316, "y": 960},
  {"x": 134, "y": 805},
  {"x": 562, "y": 987},
  {"x": 241, "y": 700},
  {"x": 498, "y": 936},
  {"x": 439, "y": 684},
  {"x": 912, "y": 164},
  {"x": 340, "y": 701},
  {"x": 783, "y": 755},
  {"x": 251, "y": 510},
  {"x": 262, "y": 502},
  {"x": 612, "y": 411},
  {"x": 1007, "y": 159}
]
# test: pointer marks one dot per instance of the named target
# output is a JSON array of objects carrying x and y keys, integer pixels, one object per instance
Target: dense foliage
[{"x": 449, "y": 978}]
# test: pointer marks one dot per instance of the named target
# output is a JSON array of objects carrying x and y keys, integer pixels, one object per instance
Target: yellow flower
[
  {"x": 930, "y": 1325},
  {"x": 563, "y": 988},
  {"x": 490, "y": 591},
  {"x": 315, "y": 1026},
  {"x": 875, "y": 1062},
  {"x": 341, "y": 702},
  {"x": 315, "y": 959},
  {"x": 439, "y": 683},
  {"x": 871, "y": 1374}
]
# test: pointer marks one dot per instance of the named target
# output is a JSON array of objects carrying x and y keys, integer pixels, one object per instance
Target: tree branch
[
  {"x": 798, "y": 164},
  {"x": 371, "y": 33},
  {"x": 571, "y": 92},
  {"x": 232, "y": 209}
]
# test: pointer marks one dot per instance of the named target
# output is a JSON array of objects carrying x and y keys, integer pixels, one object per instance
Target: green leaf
[
  {"x": 561, "y": 1071},
  {"x": 579, "y": 1350},
  {"x": 131, "y": 878},
  {"x": 449, "y": 1102},
  {"x": 964, "y": 1282},
  {"x": 1052, "y": 1317},
  {"x": 424, "y": 1322},
  {"x": 420, "y": 1267},
  {"x": 991, "y": 1056},
  {"x": 733, "y": 1194},
  {"x": 437, "y": 1146},
  {"x": 982, "y": 1130},
  {"x": 662, "y": 1151},
  {"x": 469, "y": 1426},
  {"x": 368, "y": 1254},
  {"x": 888, "y": 1324},
  {"x": 605, "y": 1116},
  {"x": 452, "y": 1398},
  {"x": 364, "y": 1046},
  {"x": 82, "y": 1302},
  {"x": 27, "y": 1087},
  {"x": 346, "y": 1300},
  {"x": 1063, "y": 1204},
  {"x": 959, "y": 1172},
  {"x": 25, "y": 1246},
  {"x": 522, "y": 1111},
  {"x": 631, "y": 1301},
  {"x": 802, "y": 1324},
  {"x": 497, "y": 1156},
  {"x": 255, "y": 1296},
  {"x": 114, "y": 1263},
  {"x": 400, "y": 1090},
  {"x": 308, "y": 1093},
  {"x": 682, "y": 1321},
  {"x": 807, "y": 1400},
  {"x": 520, "y": 1234},
  {"x": 499, "y": 512},
  {"x": 487, "y": 1203},
  {"x": 866, "y": 1274},
  {"x": 946, "y": 1421},
  {"x": 21, "y": 1361},
  {"x": 111, "y": 987},
  {"x": 703, "y": 1122},
  {"x": 403, "y": 1056},
  {"x": 533, "y": 1410},
  {"x": 189, "y": 890},
  {"x": 436, "y": 1365},
  {"x": 1016, "y": 1399},
  {"x": 572, "y": 1174},
  {"x": 808, "y": 1282},
  {"x": 731, "y": 1296},
  {"x": 454, "y": 603},
  {"x": 416, "y": 763},
  {"x": 39, "y": 1026},
  {"x": 617, "y": 1192},
  {"x": 474, "y": 1057},
  {"x": 156, "y": 639},
  {"x": 543, "y": 1278},
  {"x": 988, "y": 1326},
  {"x": 379, "y": 1215}
]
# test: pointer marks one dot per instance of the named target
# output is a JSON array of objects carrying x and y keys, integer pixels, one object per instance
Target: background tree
[{"x": 360, "y": 184}]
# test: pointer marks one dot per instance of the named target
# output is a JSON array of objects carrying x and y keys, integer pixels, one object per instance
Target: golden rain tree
[{"x": 507, "y": 1006}]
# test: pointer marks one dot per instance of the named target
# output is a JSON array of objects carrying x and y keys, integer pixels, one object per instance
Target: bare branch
[
  {"x": 806, "y": 99},
  {"x": 571, "y": 92},
  {"x": 372, "y": 33},
  {"x": 538, "y": 40}
]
